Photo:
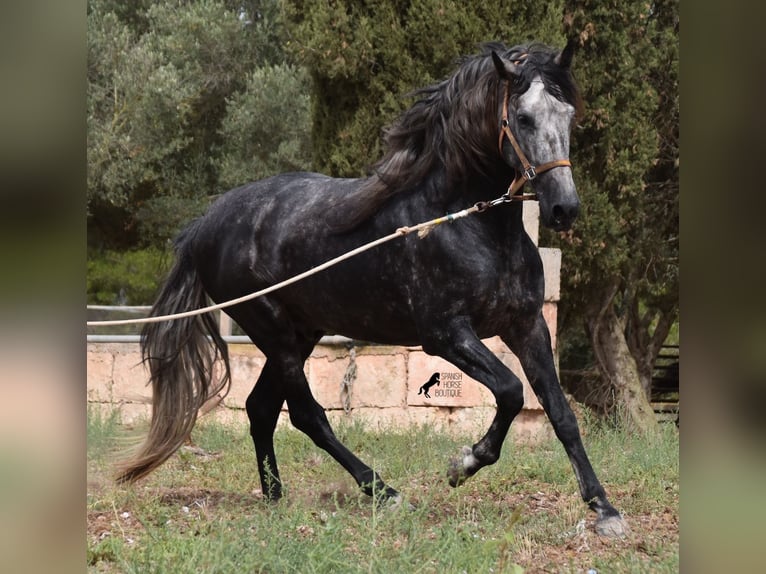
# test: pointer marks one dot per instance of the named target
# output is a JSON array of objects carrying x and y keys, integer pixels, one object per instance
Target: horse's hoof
[
  {"x": 458, "y": 472},
  {"x": 395, "y": 503},
  {"x": 612, "y": 527}
]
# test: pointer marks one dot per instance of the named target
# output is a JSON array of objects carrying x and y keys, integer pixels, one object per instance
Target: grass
[{"x": 202, "y": 511}]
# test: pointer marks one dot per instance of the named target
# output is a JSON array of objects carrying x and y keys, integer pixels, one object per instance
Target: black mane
[{"x": 450, "y": 133}]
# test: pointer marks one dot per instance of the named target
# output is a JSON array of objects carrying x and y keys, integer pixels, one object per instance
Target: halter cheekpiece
[{"x": 529, "y": 171}]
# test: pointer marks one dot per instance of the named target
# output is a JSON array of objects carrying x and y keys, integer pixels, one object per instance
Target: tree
[
  {"x": 185, "y": 99},
  {"x": 364, "y": 57},
  {"x": 266, "y": 126},
  {"x": 620, "y": 263},
  {"x": 167, "y": 86}
]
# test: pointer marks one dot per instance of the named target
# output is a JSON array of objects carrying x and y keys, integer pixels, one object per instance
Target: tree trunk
[
  {"x": 645, "y": 335},
  {"x": 619, "y": 370}
]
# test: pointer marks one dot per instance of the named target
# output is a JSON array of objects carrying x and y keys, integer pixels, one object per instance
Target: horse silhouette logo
[{"x": 434, "y": 380}]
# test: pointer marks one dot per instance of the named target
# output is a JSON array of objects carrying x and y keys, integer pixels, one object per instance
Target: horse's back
[{"x": 279, "y": 193}]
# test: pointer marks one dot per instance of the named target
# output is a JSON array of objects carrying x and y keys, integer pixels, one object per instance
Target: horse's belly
[{"x": 380, "y": 318}]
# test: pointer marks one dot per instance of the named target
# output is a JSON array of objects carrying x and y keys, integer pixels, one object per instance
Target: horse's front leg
[
  {"x": 533, "y": 348},
  {"x": 460, "y": 345}
]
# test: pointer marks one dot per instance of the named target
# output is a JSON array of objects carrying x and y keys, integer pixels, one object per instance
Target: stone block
[
  {"x": 100, "y": 371},
  {"x": 471, "y": 422},
  {"x": 246, "y": 363},
  {"x": 496, "y": 345},
  {"x": 531, "y": 217},
  {"x": 552, "y": 269},
  {"x": 135, "y": 413},
  {"x": 381, "y": 380},
  {"x": 455, "y": 388},
  {"x": 393, "y": 417},
  {"x": 383, "y": 394},
  {"x": 531, "y": 426},
  {"x": 325, "y": 374},
  {"x": 550, "y": 314},
  {"x": 130, "y": 375}
]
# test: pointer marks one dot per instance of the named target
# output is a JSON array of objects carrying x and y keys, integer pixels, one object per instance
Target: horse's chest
[
  {"x": 509, "y": 300},
  {"x": 512, "y": 293}
]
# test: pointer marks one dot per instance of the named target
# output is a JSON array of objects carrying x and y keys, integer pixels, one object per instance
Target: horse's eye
[{"x": 525, "y": 121}]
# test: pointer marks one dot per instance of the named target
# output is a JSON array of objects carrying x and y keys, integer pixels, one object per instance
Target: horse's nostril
[
  {"x": 565, "y": 213},
  {"x": 563, "y": 216}
]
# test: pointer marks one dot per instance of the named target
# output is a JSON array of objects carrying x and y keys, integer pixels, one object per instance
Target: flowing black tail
[{"x": 181, "y": 356}]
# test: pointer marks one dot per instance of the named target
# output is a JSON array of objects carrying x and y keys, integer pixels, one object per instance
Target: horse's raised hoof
[
  {"x": 612, "y": 526},
  {"x": 460, "y": 467},
  {"x": 396, "y": 503}
]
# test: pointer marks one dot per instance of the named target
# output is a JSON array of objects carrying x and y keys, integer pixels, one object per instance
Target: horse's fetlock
[{"x": 485, "y": 456}]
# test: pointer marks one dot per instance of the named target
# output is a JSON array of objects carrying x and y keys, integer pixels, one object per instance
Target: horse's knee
[{"x": 565, "y": 425}]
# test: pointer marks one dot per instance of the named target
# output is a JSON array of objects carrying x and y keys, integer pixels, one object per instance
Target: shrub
[{"x": 126, "y": 278}]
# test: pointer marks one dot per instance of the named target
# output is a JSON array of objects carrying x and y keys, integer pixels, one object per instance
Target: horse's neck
[
  {"x": 506, "y": 219},
  {"x": 435, "y": 199}
]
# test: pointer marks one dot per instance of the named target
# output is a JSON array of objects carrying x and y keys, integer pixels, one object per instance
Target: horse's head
[{"x": 539, "y": 107}]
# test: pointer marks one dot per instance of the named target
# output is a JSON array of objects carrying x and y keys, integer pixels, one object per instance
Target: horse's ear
[
  {"x": 507, "y": 69},
  {"x": 564, "y": 58}
]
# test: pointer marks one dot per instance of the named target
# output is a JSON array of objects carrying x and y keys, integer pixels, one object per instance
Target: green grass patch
[{"x": 203, "y": 511}]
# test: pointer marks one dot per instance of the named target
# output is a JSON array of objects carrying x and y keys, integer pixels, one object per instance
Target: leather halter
[{"x": 529, "y": 172}]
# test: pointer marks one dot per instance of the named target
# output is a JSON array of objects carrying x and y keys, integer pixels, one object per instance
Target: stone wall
[{"x": 383, "y": 392}]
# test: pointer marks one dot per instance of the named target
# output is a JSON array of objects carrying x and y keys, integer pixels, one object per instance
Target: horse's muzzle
[{"x": 563, "y": 215}]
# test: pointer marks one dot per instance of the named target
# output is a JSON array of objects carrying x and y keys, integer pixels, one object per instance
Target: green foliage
[
  {"x": 265, "y": 128},
  {"x": 364, "y": 58},
  {"x": 152, "y": 97},
  {"x": 622, "y": 255},
  {"x": 614, "y": 145},
  {"x": 102, "y": 427},
  {"x": 168, "y": 84},
  {"x": 184, "y": 101},
  {"x": 126, "y": 278}
]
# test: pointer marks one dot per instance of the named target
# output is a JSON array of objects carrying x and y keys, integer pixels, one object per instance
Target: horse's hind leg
[
  {"x": 268, "y": 395},
  {"x": 283, "y": 379},
  {"x": 308, "y": 416},
  {"x": 533, "y": 348},
  {"x": 263, "y": 406}
]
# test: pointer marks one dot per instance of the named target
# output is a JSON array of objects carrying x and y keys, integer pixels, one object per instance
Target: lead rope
[{"x": 423, "y": 229}]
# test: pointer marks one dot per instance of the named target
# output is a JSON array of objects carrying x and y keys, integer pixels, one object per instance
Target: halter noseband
[{"x": 529, "y": 172}]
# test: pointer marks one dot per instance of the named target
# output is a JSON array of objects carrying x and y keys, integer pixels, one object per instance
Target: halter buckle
[{"x": 530, "y": 173}]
